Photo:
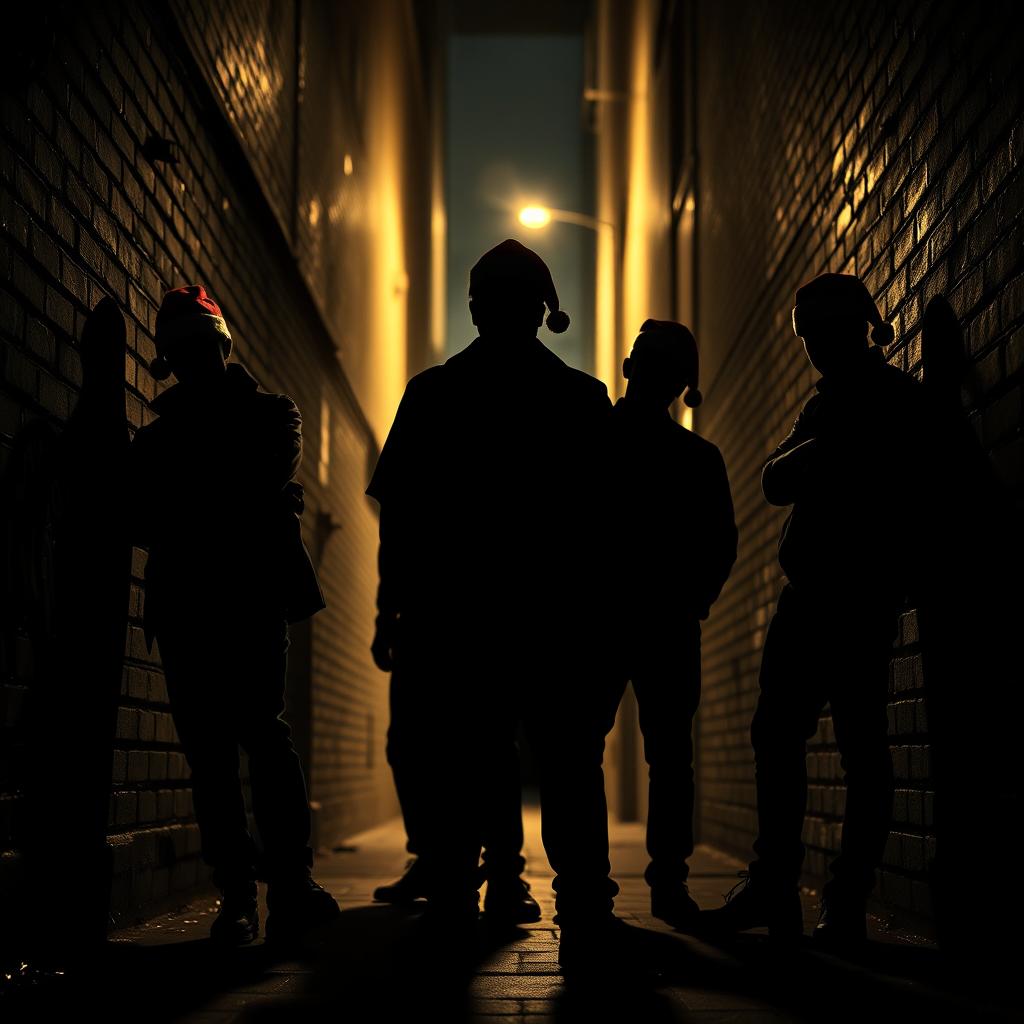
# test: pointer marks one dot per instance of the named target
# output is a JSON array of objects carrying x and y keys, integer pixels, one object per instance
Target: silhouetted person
[
  {"x": 227, "y": 572},
  {"x": 844, "y": 467},
  {"x": 66, "y": 585},
  {"x": 489, "y": 489},
  {"x": 675, "y": 518},
  {"x": 508, "y": 895}
]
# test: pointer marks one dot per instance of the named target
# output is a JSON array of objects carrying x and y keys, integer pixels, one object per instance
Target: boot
[
  {"x": 756, "y": 904},
  {"x": 674, "y": 905},
  {"x": 296, "y": 905},
  {"x": 409, "y": 888},
  {"x": 509, "y": 902},
  {"x": 238, "y": 920},
  {"x": 842, "y": 923}
]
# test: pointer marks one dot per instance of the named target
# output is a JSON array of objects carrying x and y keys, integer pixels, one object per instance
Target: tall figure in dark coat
[
  {"x": 227, "y": 572},
  {"x": 489, "y": 493},
  {"x": 675, "y": 518},
  {"x": 844, "y": 469}
]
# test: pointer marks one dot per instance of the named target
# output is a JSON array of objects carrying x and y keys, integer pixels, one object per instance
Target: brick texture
[
  {"x": 882, "y": 140},
  {"x": 84, "y": 214}
]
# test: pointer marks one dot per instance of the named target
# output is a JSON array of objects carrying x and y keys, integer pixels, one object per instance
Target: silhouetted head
[
  {"x": 663, "y": 363},
  {"x": 192, "y": 339},
  {"x": 508, "y": 290},
  {"x": 832, "y": 315},
  {"x": 103, "y": 348}
]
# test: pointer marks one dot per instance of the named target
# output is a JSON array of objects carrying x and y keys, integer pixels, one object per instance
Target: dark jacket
[
  {"x": 860, "y": 491},
  {"x": 489, "y": 486},
  {"x": 675, "y": 529},
  {"x": 210, "y": 476}
]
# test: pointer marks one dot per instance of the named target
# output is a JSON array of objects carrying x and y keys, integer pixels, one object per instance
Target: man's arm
[
  {"x": 719, "y": 538},
  {"x": 286, "y": 452},
  {"x": 388, "y": 603},
  {"x": 788, "y": 467}
]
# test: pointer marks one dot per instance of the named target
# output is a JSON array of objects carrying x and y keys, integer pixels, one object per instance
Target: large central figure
[{"x": 491, "y": 602}]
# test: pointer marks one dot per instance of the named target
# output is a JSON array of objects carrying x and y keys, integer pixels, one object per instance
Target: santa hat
[
  {"x": 831, "y": 297},
  {"x": 187, "y": 314},
  {"x": 511, "y": 271},
  {"x": 678, "y": 348}
]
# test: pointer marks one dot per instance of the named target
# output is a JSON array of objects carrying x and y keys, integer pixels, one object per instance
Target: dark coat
[
  {"x": 860, "y": 496},
  {"x": 675, "y": 530},
  {"x": 210, "y": 474},
  {"x": 491, "y": 509}
]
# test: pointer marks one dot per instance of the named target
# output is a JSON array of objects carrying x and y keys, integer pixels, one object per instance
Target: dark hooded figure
[
  {"x": 227, "y": 572},
  {"x": 678, "y": 542},
  {"x": 65, "y": 587},
  {"x": 844, "y": 470},
  {"x": 490, "y": 512}
]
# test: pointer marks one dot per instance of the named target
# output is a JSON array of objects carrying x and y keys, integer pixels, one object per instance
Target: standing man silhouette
[
  {"x": 490, "y": 512},
  {"x": 843, "y": 468},
  {"x": 227, "y": 572},
  {"x": 675, "y": 516}
]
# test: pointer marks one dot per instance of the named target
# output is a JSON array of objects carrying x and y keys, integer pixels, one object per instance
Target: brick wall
[
  {"x": 882, "y": 139},
  {"x": 84, "y": 214}
]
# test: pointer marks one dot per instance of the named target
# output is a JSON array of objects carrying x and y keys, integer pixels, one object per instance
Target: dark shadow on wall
[
  {"x": 970, "y": 622},
  {"x": 64, "y": 602}
]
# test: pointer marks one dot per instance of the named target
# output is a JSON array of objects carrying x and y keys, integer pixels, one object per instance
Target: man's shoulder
[{"x": 694, "y": 446}]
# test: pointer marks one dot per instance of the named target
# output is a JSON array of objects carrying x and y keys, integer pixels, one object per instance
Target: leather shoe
[
  {"x": 675, "y": 906},
  {"x": 756, "y": 904},
  {"x": 238, "y": 920},
  {"x": 510, "y": 902},
  {"x": 297, "y": 905},
  {"x": 842, "y": 923},
  {"x": 409, "y": 888}
]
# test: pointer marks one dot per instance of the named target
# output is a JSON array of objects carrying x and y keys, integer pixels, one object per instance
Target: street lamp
[{"x": 536, "y": 217}]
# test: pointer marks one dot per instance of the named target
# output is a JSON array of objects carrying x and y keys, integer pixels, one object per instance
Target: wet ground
[{"x": 374, "y": 964}]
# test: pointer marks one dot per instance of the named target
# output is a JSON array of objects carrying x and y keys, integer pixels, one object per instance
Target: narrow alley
[{"x": 372, "y": 966}]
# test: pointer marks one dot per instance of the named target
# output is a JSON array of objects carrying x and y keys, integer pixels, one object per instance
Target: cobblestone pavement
[{"x": 374, "y": 965}]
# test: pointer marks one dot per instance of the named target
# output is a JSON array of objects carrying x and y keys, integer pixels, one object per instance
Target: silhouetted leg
[
  {"x": 667, "y": 697},
  {"x": 279, "y": 801},
  {"x": 791, "y": 699},
  {"x": 448, "y": 749},
  {"x": 405, "y": 726},
  {"x": 205, "y": 723},
  {"x": 502, "y": 817},
  {"x": 566, "y": 725},
  {"x": 860, "y": 720}
]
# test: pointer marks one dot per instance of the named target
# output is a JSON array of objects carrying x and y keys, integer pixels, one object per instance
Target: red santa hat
[{"x": 187, "y": 314}]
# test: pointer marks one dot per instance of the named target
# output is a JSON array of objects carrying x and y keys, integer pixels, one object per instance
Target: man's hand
[{"x": 382, "y": 647}]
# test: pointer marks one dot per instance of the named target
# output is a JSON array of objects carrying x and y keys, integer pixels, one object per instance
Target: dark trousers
[
  {"x": 414, "y": 719},
  {"x": 666, "y": 681},
  {"x": 226, "y": 682},
  {"x": 478, "y": 704},
  {"x": 817, "y": 653}
]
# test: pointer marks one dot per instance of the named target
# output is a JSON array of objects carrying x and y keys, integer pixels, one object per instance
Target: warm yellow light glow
[
  {"x": 346, "y": 165},
  {"x": 534, "y": 216}
]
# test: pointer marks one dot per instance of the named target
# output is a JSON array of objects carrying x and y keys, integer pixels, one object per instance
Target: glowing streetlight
[{"x": 534, "y": 216}]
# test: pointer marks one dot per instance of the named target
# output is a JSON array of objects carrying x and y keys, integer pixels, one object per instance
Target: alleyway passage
[{"x": 372, "y": 967}]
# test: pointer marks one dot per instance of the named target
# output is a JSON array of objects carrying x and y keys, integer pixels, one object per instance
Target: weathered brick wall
[
  {"x": 881, "y": 139},
  {"x": 84, "y": 215}
]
